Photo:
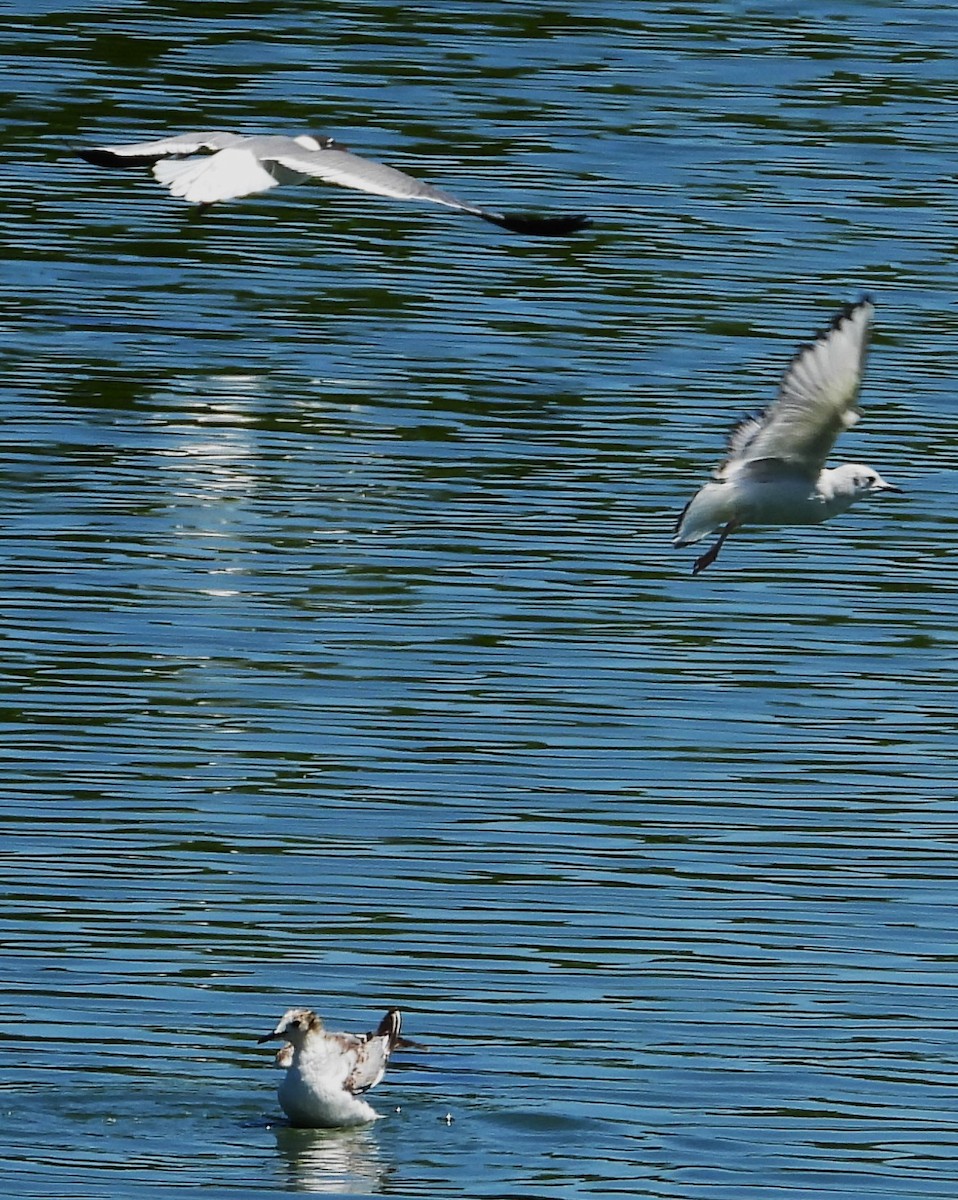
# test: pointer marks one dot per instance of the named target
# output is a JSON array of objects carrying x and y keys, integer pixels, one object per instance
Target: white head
[
  {"x": 294, "y": 1025},
  {"x": 318, "y": 142},
  {"x": 841, "y": 486},
  {"x": 859, "y": 480}
]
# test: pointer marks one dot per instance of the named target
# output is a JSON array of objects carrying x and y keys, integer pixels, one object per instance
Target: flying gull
[
  {"x": 205, "y": 168},
  {"x": 775, "y": 472},
  {"x": 327, "y": 1073}
]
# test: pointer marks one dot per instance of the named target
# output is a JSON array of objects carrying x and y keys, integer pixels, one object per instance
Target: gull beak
[
  {"x": 888, "y": 487},
  {"x": 267, "y": 1037}
]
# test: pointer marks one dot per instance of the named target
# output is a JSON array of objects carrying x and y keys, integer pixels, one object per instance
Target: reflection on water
[{"x": 336, "y": 1161}]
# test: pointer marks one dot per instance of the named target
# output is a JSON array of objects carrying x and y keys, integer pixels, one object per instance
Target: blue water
[{"x": 347, "y": 660}]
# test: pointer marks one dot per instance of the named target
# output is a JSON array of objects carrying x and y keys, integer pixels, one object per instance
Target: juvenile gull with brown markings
[{"x": 328, "y": 1073}]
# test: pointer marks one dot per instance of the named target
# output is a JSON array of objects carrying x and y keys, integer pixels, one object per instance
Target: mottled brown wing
[{"x": 373, "y": 1053}]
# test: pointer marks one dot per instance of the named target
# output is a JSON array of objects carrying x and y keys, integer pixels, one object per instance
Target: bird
[
  {"x": 327, "y": 1073},
  {"x": 775, "y": 471},
  {"x": 206, "y": 168}
]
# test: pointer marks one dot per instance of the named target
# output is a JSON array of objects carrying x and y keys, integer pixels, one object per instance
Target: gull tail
[{"x": 691, "y": 527}]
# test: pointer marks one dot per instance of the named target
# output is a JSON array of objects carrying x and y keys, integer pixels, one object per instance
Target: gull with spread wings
[
  {"x": 205, "y": 168},
  {"x": 775, "y": 472}
]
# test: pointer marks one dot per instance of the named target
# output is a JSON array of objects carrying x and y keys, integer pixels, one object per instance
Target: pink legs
[{"x": 710, "y": 555}]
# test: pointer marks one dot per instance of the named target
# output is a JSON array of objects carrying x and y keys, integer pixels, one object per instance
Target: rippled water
[{"x": 347, "y": 659}]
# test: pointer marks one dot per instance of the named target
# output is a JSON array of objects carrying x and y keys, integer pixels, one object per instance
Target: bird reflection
[{"x": 334, "y": 1161}]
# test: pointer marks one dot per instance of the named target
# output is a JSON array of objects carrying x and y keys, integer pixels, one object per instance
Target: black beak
[
  {"x": 265, "y": 1038},
  {"x": 891, "y": 487}
]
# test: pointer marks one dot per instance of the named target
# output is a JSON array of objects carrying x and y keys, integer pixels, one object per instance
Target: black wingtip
[
  {"x": 390, "y": 1027},
  {"x": 849, "y": 309},
  {"x": 540, "y": 226},
  {"x": 99, "y": 156}
]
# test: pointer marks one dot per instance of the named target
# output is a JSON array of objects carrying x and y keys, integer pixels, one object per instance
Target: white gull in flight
[
  {"x": 327, "y": 1073},
  {"x": 775, "y": 472},
  {"x": 205, "y": 168}
]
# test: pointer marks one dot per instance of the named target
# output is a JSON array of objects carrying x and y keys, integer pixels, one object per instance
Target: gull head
[
  {"x": 294, "y": 1025},
  {"x": 856, "y": 480},
  {"x": 840, "y": 487},
  {"x": 318, "y": 141}
]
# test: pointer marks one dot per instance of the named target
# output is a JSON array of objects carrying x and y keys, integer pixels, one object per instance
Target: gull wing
[
  {"x": 817, "y": 399},
  {"x": 208, "y": 178},
  {"x": 373, "y": 1053},
  {"x": 366, "y": 175},
  {"x": 138, "y": 154}
]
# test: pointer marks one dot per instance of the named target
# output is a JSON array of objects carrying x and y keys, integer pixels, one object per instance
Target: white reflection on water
[
  {"x": 204, "y": 472},
  {"x": 334, "y": 1161}
]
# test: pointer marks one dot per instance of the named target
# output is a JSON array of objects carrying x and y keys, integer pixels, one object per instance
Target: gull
[
  {"x": 775, "y": 472},
  {"x": 205, "y": 168},
  {"x": 327, "y": 1073}
]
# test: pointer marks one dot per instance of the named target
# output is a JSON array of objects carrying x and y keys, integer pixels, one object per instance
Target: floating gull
[
  {"x": 238, "y": 166},
  {"x": 775, "y": 473},
  {"x": 326, "y": 1073}
]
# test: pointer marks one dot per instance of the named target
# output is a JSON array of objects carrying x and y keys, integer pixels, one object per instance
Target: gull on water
[
  {"x": 205, "y": 168},
  {"x": 327, "y": 1073},
  {"x": 775, "y": 472}
]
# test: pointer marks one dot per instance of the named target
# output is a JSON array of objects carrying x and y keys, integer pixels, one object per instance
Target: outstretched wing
[
  {"x": 373, "y": 1054},
  {"x": 366, "y": 175},
  {"x": 817, "y": 399},
  {"x": 137, "y": 154}
]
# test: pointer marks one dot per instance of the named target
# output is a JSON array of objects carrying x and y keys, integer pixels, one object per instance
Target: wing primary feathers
[
  {"x": 817, "y": 397},
  {"x": 538, "y": 226},
  {"x": 845, "y": 313},
  {"x": 100, "y": 156},
  {"x": 390, "y": 1026}
]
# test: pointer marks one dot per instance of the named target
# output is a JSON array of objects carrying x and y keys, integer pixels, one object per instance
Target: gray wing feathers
[
  {"x": 137, "y": 153},
  {"x": 366, "y": 175},
  {"x": 817, "y": 399}
]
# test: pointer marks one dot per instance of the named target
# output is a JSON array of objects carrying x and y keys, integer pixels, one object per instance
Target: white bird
[
  {"x": 205, "y": 168},
  {"x": 327, "y": 1073},
  {"x": 775, "y": 472}
]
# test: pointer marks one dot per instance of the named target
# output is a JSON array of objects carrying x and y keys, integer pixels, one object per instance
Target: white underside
[
  {"x": 209, "y": 178},
  {"x": 747, "y": 501},
  {"x": 311, "y": 1099}
]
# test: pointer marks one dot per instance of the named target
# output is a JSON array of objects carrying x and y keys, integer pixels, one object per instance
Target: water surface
[{"x": 347, "y": 660}]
